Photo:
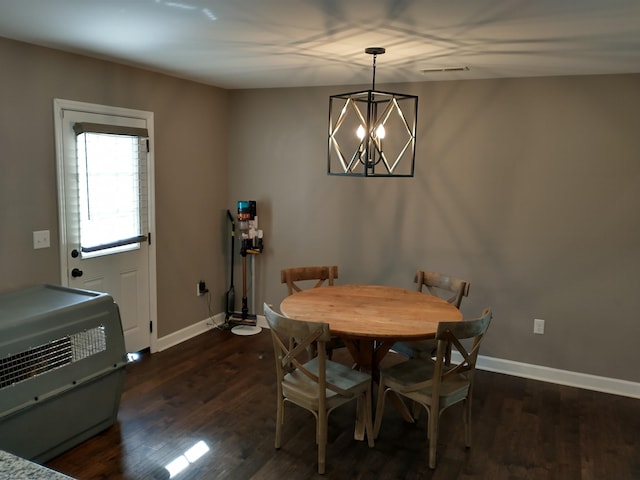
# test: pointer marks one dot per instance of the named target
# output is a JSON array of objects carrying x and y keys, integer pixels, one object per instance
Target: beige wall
[
  {"x": 190, "y": 168},
  {"x": 529, "y": 188}
]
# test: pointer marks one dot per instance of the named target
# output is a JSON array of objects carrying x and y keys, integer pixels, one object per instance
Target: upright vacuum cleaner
[
  {"x": 251, "y": 244},
  {"x": 231, "y": 294}
]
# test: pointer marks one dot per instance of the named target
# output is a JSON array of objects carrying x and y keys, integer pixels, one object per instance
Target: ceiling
[{"x": 290, "y": 43}]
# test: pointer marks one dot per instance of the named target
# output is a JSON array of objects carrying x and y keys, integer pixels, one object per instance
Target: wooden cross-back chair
[
  {"x": 319, "y": 384},
  {"x": 450, "y": 288},
  {"x": 301, "y": 278},
  {"x": 433, "y": 385},
  {"x": 315, "y": 276}
]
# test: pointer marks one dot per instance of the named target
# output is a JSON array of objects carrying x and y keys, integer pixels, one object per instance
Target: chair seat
[
  {"x": 297, "y": 385},
  {"x": 416, "y": 348},
  {"x": 404, "y": 376}
]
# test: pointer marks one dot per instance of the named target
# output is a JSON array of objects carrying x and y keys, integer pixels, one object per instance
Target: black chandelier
[{"x": 372, "y": 133}]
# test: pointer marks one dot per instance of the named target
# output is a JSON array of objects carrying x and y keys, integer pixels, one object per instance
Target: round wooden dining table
[{"x": 371, "y": 318}]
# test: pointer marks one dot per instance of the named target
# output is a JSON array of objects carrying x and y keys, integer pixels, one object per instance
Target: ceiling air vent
[{"x": 445, "y": 69}]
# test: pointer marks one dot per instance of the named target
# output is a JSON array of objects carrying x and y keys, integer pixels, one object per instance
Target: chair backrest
[
  {"x": 291, "y": 341},
  {"x": 451, "y": 333},
  {"x": 321, "y": 274},
  {"x": 443, "y": 286}
]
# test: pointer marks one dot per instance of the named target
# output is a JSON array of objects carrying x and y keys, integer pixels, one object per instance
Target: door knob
[{"x": 76, "y": 272}]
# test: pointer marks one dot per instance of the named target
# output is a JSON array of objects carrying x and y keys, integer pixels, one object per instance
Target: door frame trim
[{"x": 59, "y": 105}]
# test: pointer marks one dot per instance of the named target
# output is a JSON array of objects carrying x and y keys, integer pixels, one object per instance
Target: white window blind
[{"x": 112, "y": 197}]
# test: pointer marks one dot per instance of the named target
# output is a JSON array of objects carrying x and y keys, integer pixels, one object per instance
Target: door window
[{"x": 112, "y": 193}]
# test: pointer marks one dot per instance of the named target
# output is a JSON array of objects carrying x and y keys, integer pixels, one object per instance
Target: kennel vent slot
[{"x": 52, "y": 355}]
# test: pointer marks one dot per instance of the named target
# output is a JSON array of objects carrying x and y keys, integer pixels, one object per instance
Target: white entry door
[{"x": 105, "y": 194}]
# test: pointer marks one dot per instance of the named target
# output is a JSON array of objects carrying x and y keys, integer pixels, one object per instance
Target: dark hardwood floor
[{"x": 219, "y": 388}]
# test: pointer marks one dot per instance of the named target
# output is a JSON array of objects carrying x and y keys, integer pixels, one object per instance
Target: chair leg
[
  {"x": 322, "y": 440},
  {"x": 434, "y": 418},
  {"x": 467, "y": 422},
  {"x": 360, "y": 429},
  {"x": 279, "y": 422}
]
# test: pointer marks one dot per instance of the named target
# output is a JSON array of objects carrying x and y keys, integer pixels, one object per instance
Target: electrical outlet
[
  {"x": 538, "y": 326},
  {"x": 201, "y": 288}
]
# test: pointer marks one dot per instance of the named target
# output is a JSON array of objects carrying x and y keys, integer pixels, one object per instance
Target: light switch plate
[{"x": 41, "y": 239}]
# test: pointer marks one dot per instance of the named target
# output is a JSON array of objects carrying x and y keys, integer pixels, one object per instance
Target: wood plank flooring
[{"x": 219, "y": 388}]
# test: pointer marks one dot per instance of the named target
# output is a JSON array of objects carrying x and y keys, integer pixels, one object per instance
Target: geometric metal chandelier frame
[{"x": 372, "y": 133}]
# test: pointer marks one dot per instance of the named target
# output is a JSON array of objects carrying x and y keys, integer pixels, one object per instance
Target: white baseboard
[
  {"x": 508, "y": 367},
  {"x": 197, "y": 329},
  {"x": 553, "y": 375}
]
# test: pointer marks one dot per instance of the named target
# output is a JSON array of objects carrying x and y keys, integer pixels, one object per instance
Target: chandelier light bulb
[
  {"x": 360, "y": 132},
  {"x": 380, "y": 132}
]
